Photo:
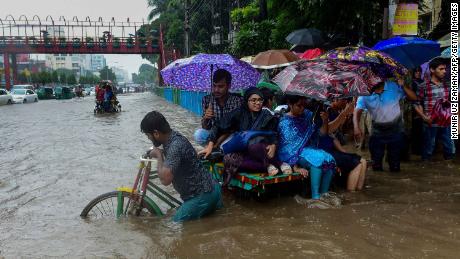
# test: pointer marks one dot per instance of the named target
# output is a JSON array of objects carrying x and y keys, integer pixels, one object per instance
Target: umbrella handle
[{"x": 212, "y": 68}]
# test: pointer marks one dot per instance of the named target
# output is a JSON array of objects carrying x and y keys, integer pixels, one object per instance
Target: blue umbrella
[
  {"x": 447, "y": 53},
  {"x": 409, "y": 51}
]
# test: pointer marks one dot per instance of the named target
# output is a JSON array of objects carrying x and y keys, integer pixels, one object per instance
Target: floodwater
[{"x": 55, "y": 156}]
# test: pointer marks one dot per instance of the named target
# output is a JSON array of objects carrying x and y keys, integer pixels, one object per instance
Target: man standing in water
[
  {"x": 387, "y": 123},
  {"x": 216, "y": 105},
  {"x": 178, "y": 164},
  {"x": 434, "y": 90}
]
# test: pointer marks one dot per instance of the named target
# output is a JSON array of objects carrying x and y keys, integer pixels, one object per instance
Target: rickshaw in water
[{"x": 106, "y": 98}]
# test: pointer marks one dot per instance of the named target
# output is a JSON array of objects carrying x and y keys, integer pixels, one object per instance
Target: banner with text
[{"x": 406, "y": 19}]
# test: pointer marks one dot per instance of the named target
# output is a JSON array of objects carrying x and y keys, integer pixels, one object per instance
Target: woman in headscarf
[
  {"x": 298, "y": 140},
  {"x": 260, "y": 153}
]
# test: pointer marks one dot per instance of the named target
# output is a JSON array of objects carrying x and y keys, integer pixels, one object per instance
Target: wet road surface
[{"x": 55, "y": 156}]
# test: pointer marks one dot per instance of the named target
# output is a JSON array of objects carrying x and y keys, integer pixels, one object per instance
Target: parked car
[
  {"x": 29, "y": 87},
  {"x": 45, "y": 93},
  {"x": 63, "y": 92},
  {"x": 5, "y": 97},
  {"x": 24, "y": 96},
  {"x": 93, "y": 91}
]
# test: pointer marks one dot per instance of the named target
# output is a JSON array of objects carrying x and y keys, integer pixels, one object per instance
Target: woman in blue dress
[{"x": 298, "y": 139}]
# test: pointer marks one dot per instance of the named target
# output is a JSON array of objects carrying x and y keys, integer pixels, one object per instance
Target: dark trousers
[
  {"x": 392, "y": 143},
  {"x": 440, "y": 133}
]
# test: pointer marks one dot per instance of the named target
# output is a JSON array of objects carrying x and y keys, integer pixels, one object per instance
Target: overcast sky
[{"x": 136, "y": 10}]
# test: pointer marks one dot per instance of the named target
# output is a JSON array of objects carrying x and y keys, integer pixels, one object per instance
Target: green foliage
[
  {"x": 147, "y": 74},
  {"x": 245, "y": 14},
  {"x": 23, "y": 77},
  {"x": 34, "y": 78},
  {"x": 106, "y": 73},
  {"x": 171, "y": 15},
  {"x": 357, "y": 21},
  {"x": 63, "y": 75},
  {"x": 89, "y": 79},
  {"x": 253, "y": 38},
  {"x": 44, "y": 77},
  {"x": 54, "y": 76},
  {"x": 71, "y": 79}
]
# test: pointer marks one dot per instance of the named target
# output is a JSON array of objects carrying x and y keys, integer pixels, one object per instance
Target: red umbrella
[{"x": 312, "y": 53}]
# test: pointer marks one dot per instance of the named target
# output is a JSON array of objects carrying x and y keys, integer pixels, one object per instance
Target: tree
[
  {"x": 159, "y": 6},
  {"x": 54, "y": 76},
  {"x": 147, "y": 74},
  {"x": 44, "y": 77},
  {"x": 24, "y": 76},
  {"x": 71, "y": 79},
  {"x": 106, "y": 73},
  {"x": 253, "y": 38},
  {"x": 62, "y": 78},
  {"x": 134, "y": 78},
  {"x": 35, "y": 78}
]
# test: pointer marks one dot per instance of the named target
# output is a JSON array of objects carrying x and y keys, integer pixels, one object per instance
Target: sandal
[
  {"x": 286, "y": 168},
  {"x": 272, "y": 170}
]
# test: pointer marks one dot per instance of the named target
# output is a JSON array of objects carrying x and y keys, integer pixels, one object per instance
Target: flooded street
[{"x": 56, "y": 156}]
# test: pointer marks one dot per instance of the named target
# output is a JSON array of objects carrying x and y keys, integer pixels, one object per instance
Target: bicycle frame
[{"x": 143, "y": 183}]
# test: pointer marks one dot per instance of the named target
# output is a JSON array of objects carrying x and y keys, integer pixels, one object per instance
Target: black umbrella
[{"x": 306, "y": 37}]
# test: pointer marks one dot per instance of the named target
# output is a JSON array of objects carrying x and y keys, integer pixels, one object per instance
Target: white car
[
  {"x": 5, "y": 97},
  {"x": 30, "y": 87},
  {"x": 24, "y": 96}
]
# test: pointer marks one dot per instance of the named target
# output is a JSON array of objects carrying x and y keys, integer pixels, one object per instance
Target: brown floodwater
[{"x": 55, "y": 156}]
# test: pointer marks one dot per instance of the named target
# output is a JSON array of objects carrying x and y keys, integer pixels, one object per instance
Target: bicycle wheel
[{"x": 107, "y": 204}]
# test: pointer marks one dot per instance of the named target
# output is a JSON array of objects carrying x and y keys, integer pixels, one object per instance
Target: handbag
[
  {"x": 239, "y": 141},
  {"x": 441, "y": 113}
]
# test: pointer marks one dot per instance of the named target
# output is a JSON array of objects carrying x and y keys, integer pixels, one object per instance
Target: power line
[{"x": 198, "y": 6}]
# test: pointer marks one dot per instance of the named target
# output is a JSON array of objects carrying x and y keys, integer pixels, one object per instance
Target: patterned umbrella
[
  {"x": 409, "y": 51},
  {"x": 381, "y": 63},
  {"x": 195, "y": 73},
  {"x": 324, "y": 79}
]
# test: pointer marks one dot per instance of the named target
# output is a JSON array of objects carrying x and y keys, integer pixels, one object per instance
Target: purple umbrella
[{"x": 195, "y": 73}]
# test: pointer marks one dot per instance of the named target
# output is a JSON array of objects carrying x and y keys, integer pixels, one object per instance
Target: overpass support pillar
[
  {"x": 14, "y": 67},
  {"x": 6, "y": 64}
]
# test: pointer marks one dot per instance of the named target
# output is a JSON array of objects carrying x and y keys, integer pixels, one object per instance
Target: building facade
[{"x": 98, "y": 62}]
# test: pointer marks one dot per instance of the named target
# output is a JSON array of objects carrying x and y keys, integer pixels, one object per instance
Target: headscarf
[{"x": 247, "y": 94}]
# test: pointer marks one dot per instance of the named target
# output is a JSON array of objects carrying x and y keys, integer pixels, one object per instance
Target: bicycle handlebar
[{"x": 146, "y": 159}]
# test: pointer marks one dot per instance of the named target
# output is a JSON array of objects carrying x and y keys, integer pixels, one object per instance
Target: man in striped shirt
[
  {"x": 216, "y": 105},
  {"x": 429, "y": 93}
]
